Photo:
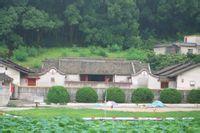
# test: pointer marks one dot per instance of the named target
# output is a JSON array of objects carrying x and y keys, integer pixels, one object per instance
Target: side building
[
  {"x": 191, "y": 45},
  {"x": 184, "y": 77},
  {"x": 10, "y": 78}
]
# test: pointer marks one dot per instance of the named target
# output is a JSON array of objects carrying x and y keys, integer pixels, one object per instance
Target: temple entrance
[{"x": 100, "y": 78}]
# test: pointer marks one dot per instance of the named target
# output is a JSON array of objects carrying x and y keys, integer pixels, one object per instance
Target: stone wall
[
  {"x": 29, "y": 93},
  {"x": 4, "y": 95}
]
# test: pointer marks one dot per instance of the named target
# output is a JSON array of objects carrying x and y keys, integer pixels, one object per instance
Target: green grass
[
  {"x": 79, "y": 113},
  {"x": 53, "y": 53}
]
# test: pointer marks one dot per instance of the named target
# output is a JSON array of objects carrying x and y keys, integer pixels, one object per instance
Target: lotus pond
[{"x": 61, "y": 124}]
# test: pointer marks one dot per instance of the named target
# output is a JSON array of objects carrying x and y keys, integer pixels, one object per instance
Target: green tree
[{"x": 37, "y": 20}]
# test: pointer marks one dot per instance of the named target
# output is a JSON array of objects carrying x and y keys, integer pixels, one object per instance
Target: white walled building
[
  {"x": 13, "y": 70},
  {"x": 190, "y": 45},
  {"x": 96, "y": 73},
  {"x": 184, "y": 76}
]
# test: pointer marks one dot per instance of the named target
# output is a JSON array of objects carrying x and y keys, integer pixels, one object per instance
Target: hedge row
[{"x": 59, "y": 94}]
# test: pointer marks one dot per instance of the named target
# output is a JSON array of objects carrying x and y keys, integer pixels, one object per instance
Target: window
[
  {"x": 164, "y": 84},
  {"x": 192, "y": 83},
  {"x": 52, "y": 80},
  {"x": 101, "y": 78},
  {"x": 190, "y": 51},
  {"x": 31, "y": 82}
]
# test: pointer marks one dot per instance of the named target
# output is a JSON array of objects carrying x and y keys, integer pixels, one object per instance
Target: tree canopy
[{"x": 126, "y": 23}]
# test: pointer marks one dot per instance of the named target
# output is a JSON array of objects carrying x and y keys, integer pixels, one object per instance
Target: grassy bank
[
  {"x": 94, "y": 52},
  {"x": 79, "y": 113}
]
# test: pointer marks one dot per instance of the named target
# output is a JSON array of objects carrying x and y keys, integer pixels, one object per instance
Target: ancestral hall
[{"x": 96, "y": 73}]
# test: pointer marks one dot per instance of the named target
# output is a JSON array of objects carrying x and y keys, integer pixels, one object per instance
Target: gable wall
[
  {"x": 183, "y": 80},
  {"x": 46, "y": 79},
  {"x": 11, "y": 73},
  {"x": 144, "y": 79}
]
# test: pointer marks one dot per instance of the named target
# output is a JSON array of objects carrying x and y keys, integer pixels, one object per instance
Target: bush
[
  {"x": 194, "y": 96},
  {"x": 142, "y": 95},
  {"x": 57, "y": 94},
  {"x": 20, "y": 54},
  {"x": 115, "y": 94},
  {"x": 114, "y": 48},
  {"x": 3, "y": 51},
  {"x": 32, "y": 51},
  {"x": 86, "y": 95},
  {"x": 138, "y": 54},
  {"x": 98, "y": 51},
  {"x": 170, "y": 95}
]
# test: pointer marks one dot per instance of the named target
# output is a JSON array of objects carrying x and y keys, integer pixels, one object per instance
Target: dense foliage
[
  {"x": 62, "y": 124},
  {"x": 115, "y": 94},
  {"x": 106, "y": 23},
  {"x": 142, "y": 95},
  {"x": 194, "y": 96},
  {"x": 170, "y": 95},
  {"x": 58, "y": 94},
  {"x": 86, "y": 95}
]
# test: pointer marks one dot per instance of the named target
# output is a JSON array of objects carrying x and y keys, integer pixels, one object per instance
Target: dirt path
[
  {"x": 150, "y": 109},
  {"x": 135, "y": 109}
]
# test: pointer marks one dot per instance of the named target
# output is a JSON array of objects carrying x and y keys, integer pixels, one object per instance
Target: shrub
[
  {"x": 98, "y": 51},
  {"x": 170, "y": 95},
  {"x": 142, "y": 95},
  {"x": 3, "y": 51},
  {"x": 20, "y": 54},
  {"x": 115, "y": 94},
  {"x": 86, "y": 95},
  {"x": 102, "y": 52},
  {"x": 57, "y": 94},
  {"x": 194, "y": 96},
  {"x": 32, "y": 51},
  {"x": 114, "y": 48}
]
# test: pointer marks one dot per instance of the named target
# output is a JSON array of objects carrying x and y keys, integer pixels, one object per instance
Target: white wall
[
  {"x": 160, "y": 50},
  {"x": 184, "y": 50},
  {"x": 184, "y": 80},
  {"x": 144, "y": 79},
  {"x": 172, "y": 84},
  {"x": 11, "y": 73},
  {"x": 45, "y": 80},
  {"x": 192, "y": 39},
  {"x": 153, "y": 82},
  {"x": 122, "y": 78},
  {"x": 72, "y": 77},
  {"x": 5, "y": 94}
]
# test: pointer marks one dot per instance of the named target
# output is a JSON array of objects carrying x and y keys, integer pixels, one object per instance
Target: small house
[
  {"x": 191, "y": 45},
  {"x": 185, "y": 76}
]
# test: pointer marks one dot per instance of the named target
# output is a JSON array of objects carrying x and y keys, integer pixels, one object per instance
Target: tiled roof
[
  {"x": 94, "y": 66},
  {"x": 175, "y": 70},
  {"x": 4, "y": 77},
  {"x": 15, "y": 66}
]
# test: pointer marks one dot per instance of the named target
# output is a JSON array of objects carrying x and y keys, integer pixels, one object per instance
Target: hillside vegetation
[
  {"x": 33, "y": 57},
  {"x": 126, "y": 23},
  {"x": 92, "y": 52}
]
